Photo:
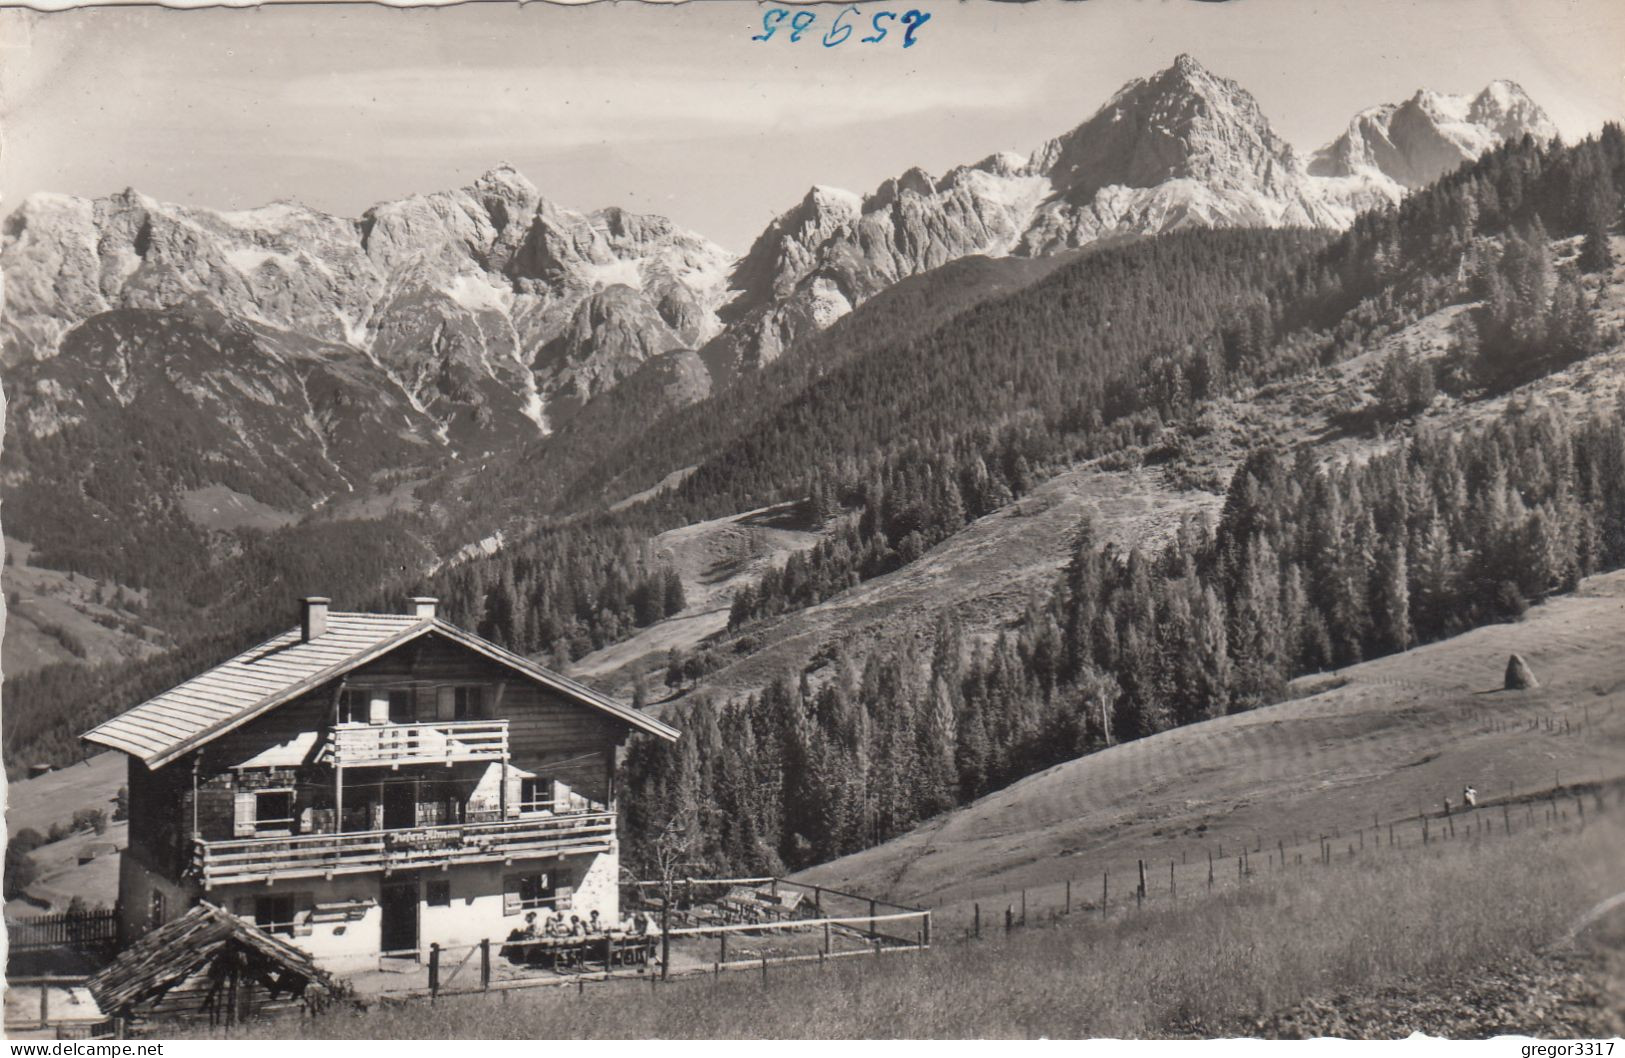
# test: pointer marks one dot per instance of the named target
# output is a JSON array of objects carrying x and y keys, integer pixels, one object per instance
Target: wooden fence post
[
  {"x": 722, "y": 955},
  {"x": 1069, "y": 896},
  {"x": 665, "y": 935},
  {"x": 871, "y": 918},
  {"x": 977, "y": 911},
  {"x": 925, "y": 930},
  {"x": 1210, "y": 870},
  {"x": 434, "y": 970},
  {"x": 1173, "y": 893},
  {"x": 1009, "y": 917},
  {"x": 485, "y": 965},
  {"x": 1104, "y": 894}
]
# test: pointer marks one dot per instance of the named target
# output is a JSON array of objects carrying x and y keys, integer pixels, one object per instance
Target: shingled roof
[
  {"x": 286, "y": 666},
  {"x": 168, "y": 955}
]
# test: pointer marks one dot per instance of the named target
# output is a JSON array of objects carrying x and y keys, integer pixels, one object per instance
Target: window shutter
[
  {"x": 566, "y": 897},
  {"x": 510, "y": 895},
  {"x": 445, "y": 703},
  {"x": 378, "y": 708},
  {"x": 243, "y": 821}
]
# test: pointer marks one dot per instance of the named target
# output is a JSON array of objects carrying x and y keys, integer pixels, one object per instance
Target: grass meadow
[{"x": 1206, "y": 964}]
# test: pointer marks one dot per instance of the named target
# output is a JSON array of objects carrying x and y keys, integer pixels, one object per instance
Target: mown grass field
[
  {"x": 1383, "y": 740},
  {"x": 1203, "y": 965}
]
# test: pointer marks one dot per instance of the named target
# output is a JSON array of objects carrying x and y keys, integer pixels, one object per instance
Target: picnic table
[{"x": 564, "y": 953}]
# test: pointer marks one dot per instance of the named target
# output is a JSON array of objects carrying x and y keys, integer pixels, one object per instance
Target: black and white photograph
[{"x": 732, "y": 520}]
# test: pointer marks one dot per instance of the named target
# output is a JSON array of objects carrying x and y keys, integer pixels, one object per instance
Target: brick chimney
[
  {"x": 312, "y": 617},
  {"x": 423, "y": 607}
]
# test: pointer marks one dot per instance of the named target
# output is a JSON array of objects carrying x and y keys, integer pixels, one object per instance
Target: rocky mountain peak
[
  {"x": 1506, "y": 109},
  {"x": 1182, "y": 122},
  {"x": 1415, "y": 142}
]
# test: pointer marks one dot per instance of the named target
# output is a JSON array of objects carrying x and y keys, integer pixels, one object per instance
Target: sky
[{"x": 673, "y": 109}]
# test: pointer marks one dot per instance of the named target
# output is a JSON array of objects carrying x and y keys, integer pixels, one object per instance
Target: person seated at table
[
  {"x": 530, "y": 925},
  {"x": 595, "y": 925},
  {"x": 555, "y": 926},
  {"x": 640, "y": 923},
  {"x": 515, "y": 950},
  {"x": 577, "y": 927}
]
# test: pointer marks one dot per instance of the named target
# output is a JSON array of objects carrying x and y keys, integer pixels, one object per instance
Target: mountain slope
[
  {"x": 1415, "y": 142},
  {"x": 1386, "y": 738},
  {"x": 482, "y": 302},
  {"x": 1182, "y": 147}
]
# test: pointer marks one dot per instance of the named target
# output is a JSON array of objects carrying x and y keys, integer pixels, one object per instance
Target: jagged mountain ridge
[
  {"x": 1181, "y": 147},
  {"x": 1415, "y": 142},
  {"x": 467, "y": 319},
  {"x": 486, "y": 302}
]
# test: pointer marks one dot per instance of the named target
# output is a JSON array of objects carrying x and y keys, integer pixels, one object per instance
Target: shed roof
[
  {"x": 174, "y": 951},
  {"x": 284, "y": 667}
]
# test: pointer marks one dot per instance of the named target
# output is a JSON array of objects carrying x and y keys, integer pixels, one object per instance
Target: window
[
  {"x": 470, "y": 703},
  {"x": 535, "y": 795},
  {"x": 273, "y": 811},
  {"x": 274, "y": 914},
  {"x": 354, "y": 706},
  {"x": 400, "y": 707},
  {"x": 459, "y": 703},
  {"x": 526, "y": 892},
  {"x": 437, "y": 894}
]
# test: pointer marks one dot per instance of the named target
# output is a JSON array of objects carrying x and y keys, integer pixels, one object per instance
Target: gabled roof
[
  {"x": 174, "y": 951},
  {"x": 281, "y": 669}
]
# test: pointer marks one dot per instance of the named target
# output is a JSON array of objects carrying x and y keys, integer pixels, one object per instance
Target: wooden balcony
[
  {"x": 431, "y": 742},
  {"x": 325, "y": 855}
]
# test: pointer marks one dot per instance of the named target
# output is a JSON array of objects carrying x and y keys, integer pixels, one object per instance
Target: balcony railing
[
  {"x": 432, "y": 742},
  {"x": 324, "y": 855}
]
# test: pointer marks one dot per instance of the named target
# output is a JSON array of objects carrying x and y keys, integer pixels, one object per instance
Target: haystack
[
  {"x": 210, "y": 963},
  {"x": 1519, "y": 678}
]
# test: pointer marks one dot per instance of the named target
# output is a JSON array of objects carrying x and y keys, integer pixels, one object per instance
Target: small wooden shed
[{"x": 210, "y": 963}]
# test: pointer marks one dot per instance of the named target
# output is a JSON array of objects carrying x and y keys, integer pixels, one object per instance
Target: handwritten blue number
[
  {"x": 840, "y": 30},
  {"x": 770, "y": 23},
  {"x": 799, "y": 24},
  {"x": 880, "y": 31},
  {"x": 914, "y": 20}
]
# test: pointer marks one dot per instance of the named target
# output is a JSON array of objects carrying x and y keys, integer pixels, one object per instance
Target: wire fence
[{"x": 1227, "y": 866}]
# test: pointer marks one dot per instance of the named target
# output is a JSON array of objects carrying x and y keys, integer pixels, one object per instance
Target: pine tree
[{"x": 1391, "y": 600}]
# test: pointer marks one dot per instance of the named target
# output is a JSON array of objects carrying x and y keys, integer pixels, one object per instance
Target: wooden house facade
[{"x": 373, "y": 783}]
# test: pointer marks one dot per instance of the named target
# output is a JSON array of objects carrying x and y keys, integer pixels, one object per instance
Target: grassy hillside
[
  {"x": 1361, "y": 948},
  {"x": 1383, "y": 739}
]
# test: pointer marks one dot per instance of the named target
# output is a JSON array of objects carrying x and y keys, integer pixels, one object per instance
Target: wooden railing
[
  {"x": 71, "y": 929},
  {"x": 323, "y": 855},
  {"x": 431, "y": 742}
]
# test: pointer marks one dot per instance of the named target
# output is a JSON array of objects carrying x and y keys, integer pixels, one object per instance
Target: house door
[
  {"x": 400, "y": 804},
  {"x": 398, "y": 904}
]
